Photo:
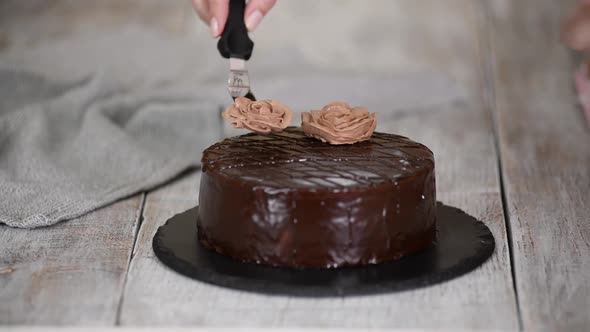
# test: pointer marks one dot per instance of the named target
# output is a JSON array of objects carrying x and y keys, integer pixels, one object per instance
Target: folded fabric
[{"x": 69, "y": 148}]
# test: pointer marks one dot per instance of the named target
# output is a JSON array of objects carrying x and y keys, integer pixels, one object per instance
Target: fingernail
[
  {"x": 253, "y": 20},
  {"x": 214, "y": 26}
]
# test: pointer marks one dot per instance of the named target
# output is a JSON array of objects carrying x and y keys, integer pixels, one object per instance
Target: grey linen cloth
[{"x": 69, "y": 148}]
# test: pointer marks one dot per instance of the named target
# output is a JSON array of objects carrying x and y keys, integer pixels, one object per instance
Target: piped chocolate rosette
[
  {"x": 262, "y": 116},
  {"x": 338, "y": 123}
]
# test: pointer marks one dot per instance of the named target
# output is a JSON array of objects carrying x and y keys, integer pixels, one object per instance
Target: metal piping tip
[{"x": 238, "y": 83}]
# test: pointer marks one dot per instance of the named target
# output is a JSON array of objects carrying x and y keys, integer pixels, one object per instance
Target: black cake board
[{"x": 462, "y": 245}]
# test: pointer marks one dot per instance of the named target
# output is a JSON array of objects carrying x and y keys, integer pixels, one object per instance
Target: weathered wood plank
[
  {"x": 153, "y": 292},
  {"x": 59, "y": 18},
  {"x": 69, "y": 273},
  {"x": 139, "y": 42},
  {"x": 545, "y": 152},
  {"x": 200, "y": 329}
]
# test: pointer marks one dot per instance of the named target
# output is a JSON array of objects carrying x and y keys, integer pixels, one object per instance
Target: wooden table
[{"x": 511, "y": 149}]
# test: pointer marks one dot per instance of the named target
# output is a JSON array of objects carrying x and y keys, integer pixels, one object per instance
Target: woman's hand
[
  {"x": 576, "y": 30},
  {"x": 576, "y": 35},
  {"x": 214, "y": 13}
]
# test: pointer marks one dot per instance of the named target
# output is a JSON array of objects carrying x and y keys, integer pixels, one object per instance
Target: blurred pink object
[{"x": 583, "y": 86}]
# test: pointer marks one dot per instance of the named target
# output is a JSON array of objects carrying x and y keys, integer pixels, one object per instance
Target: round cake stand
[{"x": 463, "y": 244}]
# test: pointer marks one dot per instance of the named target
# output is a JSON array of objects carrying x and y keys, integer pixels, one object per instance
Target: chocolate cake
[{"x": 284, "y": 199}]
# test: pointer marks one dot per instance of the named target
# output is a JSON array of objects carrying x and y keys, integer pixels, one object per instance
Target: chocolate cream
[
  {"x": 263, "y": 116},
  {"x": 338, "y": 123}
]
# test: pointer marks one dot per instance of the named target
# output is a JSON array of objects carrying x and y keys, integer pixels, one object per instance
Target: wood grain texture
[
  {"x": 71, "y": 273},
  {"x": 545, "y": 152},
  {"x": 154, "y": 292}
]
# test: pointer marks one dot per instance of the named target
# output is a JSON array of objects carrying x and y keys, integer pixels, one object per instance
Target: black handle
[{"x": 234, "y": 41}]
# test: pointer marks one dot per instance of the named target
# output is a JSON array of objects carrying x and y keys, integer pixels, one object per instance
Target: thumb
[{"x": 255, "y": 11}]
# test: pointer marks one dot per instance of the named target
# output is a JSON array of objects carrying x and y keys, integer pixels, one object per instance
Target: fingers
[
  {"x": 219, "y": 10},
  {"x": 255, "y": 11},
  {"x": 214, "y": 13},
  {"x": 202, "y": 9},
  {"x": 576, "y": 31}
]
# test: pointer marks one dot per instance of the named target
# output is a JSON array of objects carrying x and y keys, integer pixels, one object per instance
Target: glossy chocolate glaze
[{"x": 284, "y": 199}]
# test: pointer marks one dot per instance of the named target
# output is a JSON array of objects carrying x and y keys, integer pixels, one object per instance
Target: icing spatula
[{"x": 236, "y": 45}]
